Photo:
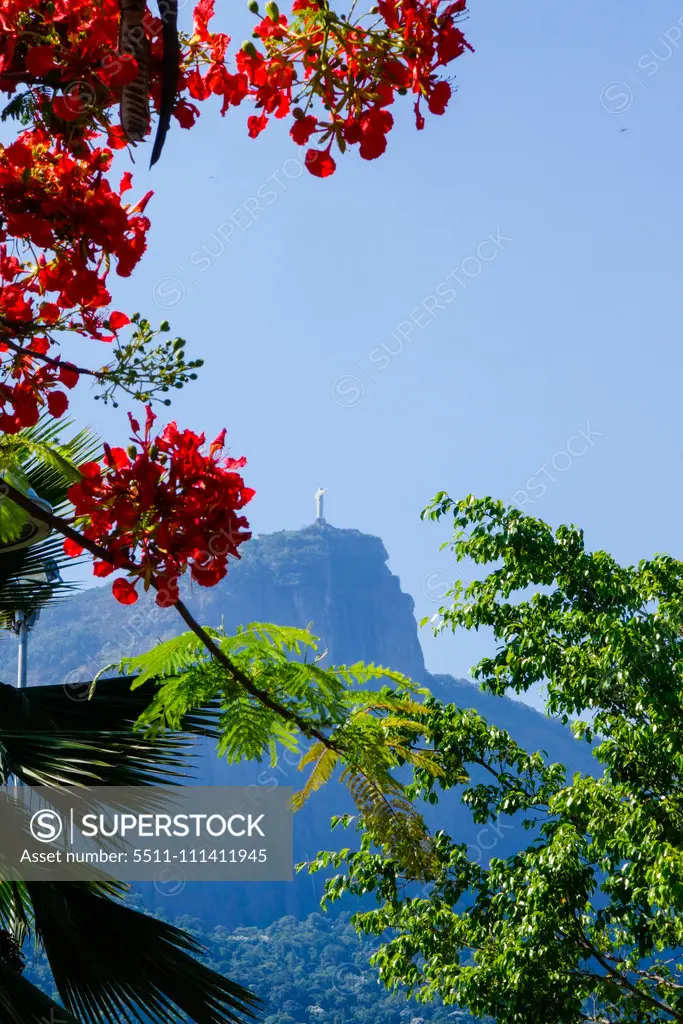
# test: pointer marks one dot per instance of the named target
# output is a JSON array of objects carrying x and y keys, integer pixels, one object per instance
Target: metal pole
[{"x": 22, "y": 661}]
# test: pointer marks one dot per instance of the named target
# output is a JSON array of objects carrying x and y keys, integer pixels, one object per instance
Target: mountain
[{"x": 337, "y": 581}]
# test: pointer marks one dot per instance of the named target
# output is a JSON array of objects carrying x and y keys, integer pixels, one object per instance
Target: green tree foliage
[
  {"x": 363, "y": 733},
  {"x": 586, "y": 922}
]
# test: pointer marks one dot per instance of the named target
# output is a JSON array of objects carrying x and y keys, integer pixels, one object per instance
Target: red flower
[
  {"x": 438, "y": 101},
  {"x": 169, "y": 508},
  {"x": 185, "y": 114},
  {"x": 116, "y": 137},
  {"x": 118, "y": 320},
  {"x": 72, "y": 549},
  {"x": 119, "y": 70},
  {"x": 320, "y": 163},
  {"x": 256, "y": 125},
  {"x": 57, "y": 403},
  {"x": 302, "y": 129},
  {"x": 40, "y": 60},
  {"x": 452, "y": 43},
  {"x": 50, "y": 312},
  {"x": 68, "y": 375},
  {"x": 124, "y": 591},
  {"x": 68, "y": 108},
  {"x": 19, "y": 154}
]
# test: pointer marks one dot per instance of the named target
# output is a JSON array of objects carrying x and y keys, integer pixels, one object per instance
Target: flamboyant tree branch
[
  {"x": 240, "y": 677},
  {"x": 50, "y": 360}
]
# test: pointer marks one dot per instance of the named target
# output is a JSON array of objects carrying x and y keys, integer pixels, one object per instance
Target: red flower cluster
[
  {"x": 161, "y": 507},
  {"x": 351, "y": 71},
  {"x": 52, "y": 201},
  {"x": 355, "y": 72}
]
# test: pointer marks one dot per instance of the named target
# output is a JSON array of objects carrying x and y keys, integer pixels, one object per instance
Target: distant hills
[{"x": 313, "y": 971}]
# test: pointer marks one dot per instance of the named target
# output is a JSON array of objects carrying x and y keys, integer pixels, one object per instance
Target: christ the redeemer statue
[{"x": 319, "y": 518}]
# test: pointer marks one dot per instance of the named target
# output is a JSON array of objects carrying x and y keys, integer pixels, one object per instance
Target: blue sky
[{"x": 567, "y": 322}]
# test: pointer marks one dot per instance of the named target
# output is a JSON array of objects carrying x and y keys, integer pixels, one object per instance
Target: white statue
[{"x": 319, "y": 505}]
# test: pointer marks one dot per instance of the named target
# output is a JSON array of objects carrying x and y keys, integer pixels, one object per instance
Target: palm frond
[
  {"x": 49, "y": 462},
  {"x": 48, "y": 738},
  {"x": 15, "y": 910},
  {"x": 110, "y": 962},
  {"x": 21, "y": 578},
  {"x": 40, "y": 459},
  {"x": 23, "y": 1003}
]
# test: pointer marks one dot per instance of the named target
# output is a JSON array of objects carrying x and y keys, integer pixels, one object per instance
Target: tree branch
[
  {"x": 45, "y": 358},
  {"x": 61, "y": 526}
]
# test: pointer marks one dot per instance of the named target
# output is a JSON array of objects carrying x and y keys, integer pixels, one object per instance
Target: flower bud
[
  {"x": 132, "y": 451},
  {"x": 253, "y": 6},
  {"x": 298, "y": 113},
  {"x": 178, "y": 343},
  {"x": 272, "y": 10},
  {"x": 153, "y": 452},
  {"x": 248, "y": 47},
  {"x": 164, "y": 326}
]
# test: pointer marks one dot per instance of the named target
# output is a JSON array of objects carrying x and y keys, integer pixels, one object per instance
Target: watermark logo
[{"x": 46, "y": 826}]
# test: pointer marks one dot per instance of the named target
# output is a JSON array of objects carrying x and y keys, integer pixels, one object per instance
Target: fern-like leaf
[
  {"x": 180, "y": 653},
  {"x": 325, "y": 763}
]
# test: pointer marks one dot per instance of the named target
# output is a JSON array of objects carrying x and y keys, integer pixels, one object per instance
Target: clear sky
[{"x": 569, "y": 321}]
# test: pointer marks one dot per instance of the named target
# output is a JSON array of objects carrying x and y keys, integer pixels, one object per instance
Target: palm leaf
[
  {"x": 19, "y": 587},
  {"x": 112, "y": 963},
  {"x": 50, "y": 463},
  {"x": 38, "y": 458},
  {"x": 23, "y": 1003},
  {"x": 49, "y": 738},
  {"x": 15, "y": 910}
]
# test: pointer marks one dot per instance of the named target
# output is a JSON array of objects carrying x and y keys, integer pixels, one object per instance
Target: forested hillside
[{"x": 314, "y": 971}]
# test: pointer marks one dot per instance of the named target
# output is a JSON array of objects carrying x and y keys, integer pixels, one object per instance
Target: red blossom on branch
[
  {"x": 158, "y": 508},
  {"x": 340, "y": 69},
  {"x": 162, "y": 507}
]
